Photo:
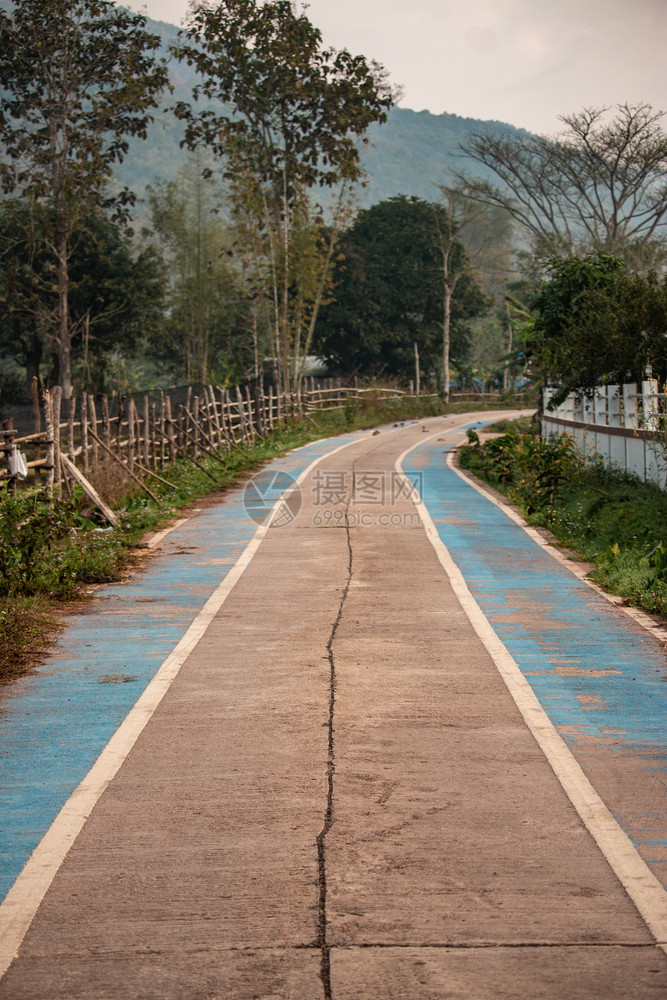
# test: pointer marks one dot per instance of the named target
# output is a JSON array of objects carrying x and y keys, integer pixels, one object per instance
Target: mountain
[{"x": 409, "y": 154}]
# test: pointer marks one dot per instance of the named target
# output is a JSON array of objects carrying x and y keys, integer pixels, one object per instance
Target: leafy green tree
[
  {"x": 596, "y": 320},
  {"x": 79, "y": 77},
  {"x": 389, "y": 293},
  {"x": 116, "y": 293},
  {"x": 601, "y": 185},
  {"x": 293, "y": 116}
]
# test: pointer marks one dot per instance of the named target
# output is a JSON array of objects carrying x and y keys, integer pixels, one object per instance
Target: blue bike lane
[
  {"x": 55, "y": 721},
  {"x": 599, "y": 675}
]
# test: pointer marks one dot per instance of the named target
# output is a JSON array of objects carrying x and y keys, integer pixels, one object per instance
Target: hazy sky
[{"x": 518, "y": 61}]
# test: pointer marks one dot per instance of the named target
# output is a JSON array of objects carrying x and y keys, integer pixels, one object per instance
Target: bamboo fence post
[
  {"x": 216, "y": 417},
  {"x": 271, "y": 424},
  {"x": 240, "y": 405},
  {"x": 210, "y": 421},
  {"x": 130, "y": 433},
  {"x": 147, "y": 438},
  {"x": 207, "y": 416},
  {"x": 227, "y": 414},
  {"x": 204, "y": 414},
  {"x": 140, "y": 440},
  {"x": 48, "y": 427},
  {"x": 217, "y": 435},
  {"x": 57, "y": 400},
  {"x": 252, "y": 416},
  {"x": 70, "y": 427},
  {"x": 106, "y": 423},
  {"x": 83, "y": 419},
  {"x": 241, "y": 409},
  {"x": 240, "y": 415},
  {"x": 195, "y": 429},
  {"x": 92, "y": 419},
  {"x": 170, "y": 431},
  {"x": 163, "y": 433},
  {"x": 152, "y": 430},
  {"x": 223, "y": 423},
  {"x": 182, "y": 440}
]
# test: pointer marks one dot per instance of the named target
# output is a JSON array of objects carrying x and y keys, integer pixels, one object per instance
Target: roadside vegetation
[
  {"x": 51, "y": 553},
  {"x": 613, "y": 519}
]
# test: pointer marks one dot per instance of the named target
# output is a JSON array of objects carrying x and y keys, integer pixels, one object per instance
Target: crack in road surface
[{"x": 325, "y": 960}]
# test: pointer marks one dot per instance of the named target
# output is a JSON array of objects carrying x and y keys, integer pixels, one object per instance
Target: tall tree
[
  {"x": 389, "y": 293},
  {"x": 601, "y": 185},
  {"x": 116, "y": 293},
  {"x": 595, "y": 321},
  {"x": 294, "y": 115},
  {"x": 79, "y": 77}
]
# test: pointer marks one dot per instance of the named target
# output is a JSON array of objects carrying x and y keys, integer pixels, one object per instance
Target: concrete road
[{"x": 334, "y": 791}]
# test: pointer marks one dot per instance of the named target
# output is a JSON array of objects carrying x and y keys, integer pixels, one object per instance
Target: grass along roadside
[
  {"x": 52, "y": 553},
  {"x": 612, "y": 519}
]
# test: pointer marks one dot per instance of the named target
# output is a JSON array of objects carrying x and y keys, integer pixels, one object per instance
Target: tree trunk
[
  {"x": 447, "y": 311},
  {"x": 63, "y": 338},
  {"x": 33, "y": 360}
]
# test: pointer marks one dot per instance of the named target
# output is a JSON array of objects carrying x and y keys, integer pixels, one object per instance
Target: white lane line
[
  {"x": 639, "y": 616},
  {"x": 23, "y": 899},
  {"x": 637, "y": 879}
]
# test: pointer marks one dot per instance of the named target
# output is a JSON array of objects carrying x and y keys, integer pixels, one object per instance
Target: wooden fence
[{"x": 145, "y": 436}]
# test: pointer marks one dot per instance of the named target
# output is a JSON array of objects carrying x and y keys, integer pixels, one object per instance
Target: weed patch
[{"x": 27, "y": 627}]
